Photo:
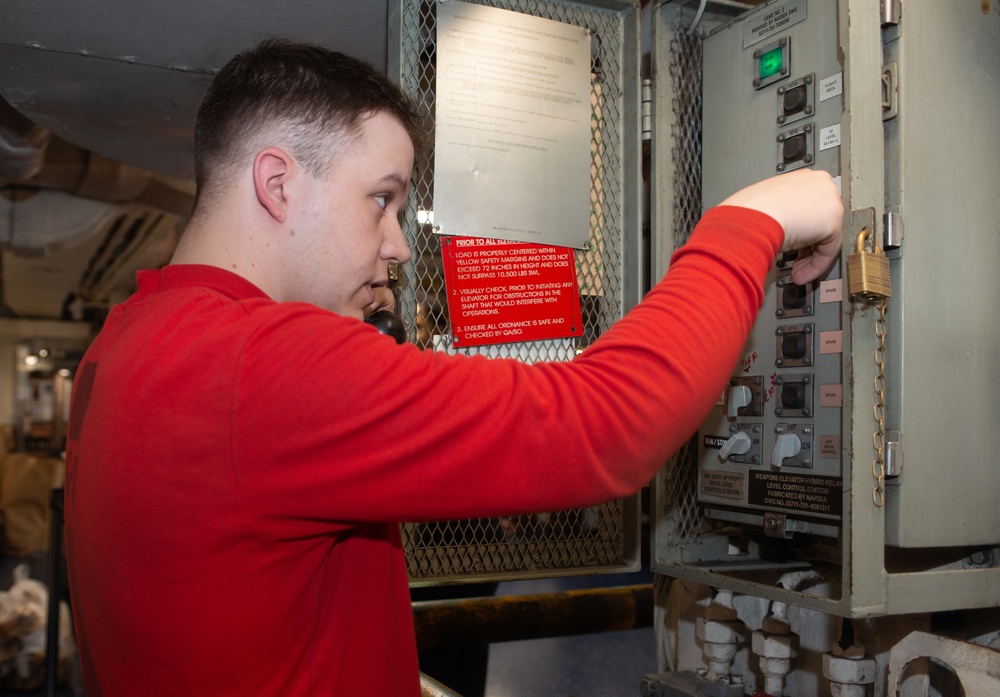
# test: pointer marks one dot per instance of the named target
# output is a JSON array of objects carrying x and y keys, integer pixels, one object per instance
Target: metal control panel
[
  {"x": 770, "y": 452},
  {"x": 853, "y": 439}
]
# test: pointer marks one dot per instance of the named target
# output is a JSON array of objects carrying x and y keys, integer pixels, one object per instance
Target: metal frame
[{"x": 447, "y": 554}]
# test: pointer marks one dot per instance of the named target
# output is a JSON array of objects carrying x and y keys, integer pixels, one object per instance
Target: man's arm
[{"x": 806, "y": 203}]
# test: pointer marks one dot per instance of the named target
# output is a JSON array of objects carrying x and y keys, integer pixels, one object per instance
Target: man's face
[{"x": 346, "y": 230}]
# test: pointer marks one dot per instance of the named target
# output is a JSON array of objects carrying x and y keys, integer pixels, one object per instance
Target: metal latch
[
  {"x": 890, "y": 91},
  {"x": 647, "y": 110}
]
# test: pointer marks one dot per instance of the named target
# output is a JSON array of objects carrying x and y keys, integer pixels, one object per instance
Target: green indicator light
[{"x": 771, "y": 63}]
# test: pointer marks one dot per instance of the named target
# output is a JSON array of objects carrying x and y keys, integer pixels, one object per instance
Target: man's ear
[{"x": 271, "y": 173}]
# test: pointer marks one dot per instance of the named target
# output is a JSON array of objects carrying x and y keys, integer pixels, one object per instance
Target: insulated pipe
[
  {"x": 976, "y": 667},
  {"x": 429, "y": 687},
  {"x": 721, "y": 632},
  {"x": 441, "y": 623},
  {"x": 22, "y": 144}
]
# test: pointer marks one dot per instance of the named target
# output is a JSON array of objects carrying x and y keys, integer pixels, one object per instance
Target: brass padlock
[{"x": 867, "y": 272}]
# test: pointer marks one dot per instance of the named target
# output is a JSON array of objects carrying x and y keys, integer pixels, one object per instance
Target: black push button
[
  {"x": 793, "y": 395},
  {"x": 794, "y": 345},
  {"x": 793, "y": 296},
  {"x": 795, "y": 100},
  {"x": 794, "y": 148}
]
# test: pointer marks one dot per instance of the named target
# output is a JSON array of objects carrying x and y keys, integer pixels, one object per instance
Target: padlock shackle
[{"x": 861, "y": 242}]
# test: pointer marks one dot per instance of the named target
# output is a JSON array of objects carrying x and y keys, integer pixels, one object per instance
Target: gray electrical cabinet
[{"x": 855, "y": 436}]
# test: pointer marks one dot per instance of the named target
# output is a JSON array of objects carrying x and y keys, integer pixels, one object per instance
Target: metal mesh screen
[
  {"x": 679, "y": 519},
  {"x": 547, "y": 543}
]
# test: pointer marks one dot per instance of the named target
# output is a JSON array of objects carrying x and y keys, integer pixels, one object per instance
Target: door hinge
[
  {"x": 890, "y": 12},
  {"x": 893, "y": 454},
  {"x": 892, "y": 228}
]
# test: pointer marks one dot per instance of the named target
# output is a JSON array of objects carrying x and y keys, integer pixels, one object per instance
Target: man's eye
[{"x": 381, "y": 200}]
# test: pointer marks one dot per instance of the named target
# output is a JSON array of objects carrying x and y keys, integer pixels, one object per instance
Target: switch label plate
[
  {"x": 773, "y": 18},
  {"x": 831, "y": 87},
  {"x": 829, "y": 137}
]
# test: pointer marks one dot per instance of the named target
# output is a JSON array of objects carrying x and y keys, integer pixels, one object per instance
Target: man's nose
[{"x": 394, "y": 247}]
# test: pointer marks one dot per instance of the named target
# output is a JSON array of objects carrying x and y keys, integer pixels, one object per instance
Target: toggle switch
[
  {"x": 786, "y": 445},
  {"x": 739, "y": 396},
  {"x": 738, "y": 444}
]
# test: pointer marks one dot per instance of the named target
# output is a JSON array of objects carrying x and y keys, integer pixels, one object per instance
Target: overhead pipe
[
  {"x": 22, "y": 144},
  {"x": 32, "y": 157}
]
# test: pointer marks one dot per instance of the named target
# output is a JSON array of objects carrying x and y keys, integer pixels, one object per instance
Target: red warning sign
[{"x": 502, "y": 292}]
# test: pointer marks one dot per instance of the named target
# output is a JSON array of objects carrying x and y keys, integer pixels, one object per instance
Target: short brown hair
[{"x": 312, "y": 96}]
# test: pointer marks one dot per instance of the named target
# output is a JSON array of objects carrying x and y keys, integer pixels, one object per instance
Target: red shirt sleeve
[{"x": 359, "y": 429}]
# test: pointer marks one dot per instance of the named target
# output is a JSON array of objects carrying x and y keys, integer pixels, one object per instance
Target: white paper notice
[{"x": 512, "y": 132}]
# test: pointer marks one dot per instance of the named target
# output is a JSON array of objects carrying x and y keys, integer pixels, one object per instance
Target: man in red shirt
[{"x": 234, "y": 488}]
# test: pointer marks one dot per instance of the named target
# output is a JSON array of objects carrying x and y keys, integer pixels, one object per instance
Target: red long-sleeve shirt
[{"x": 237, "y": 468}]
